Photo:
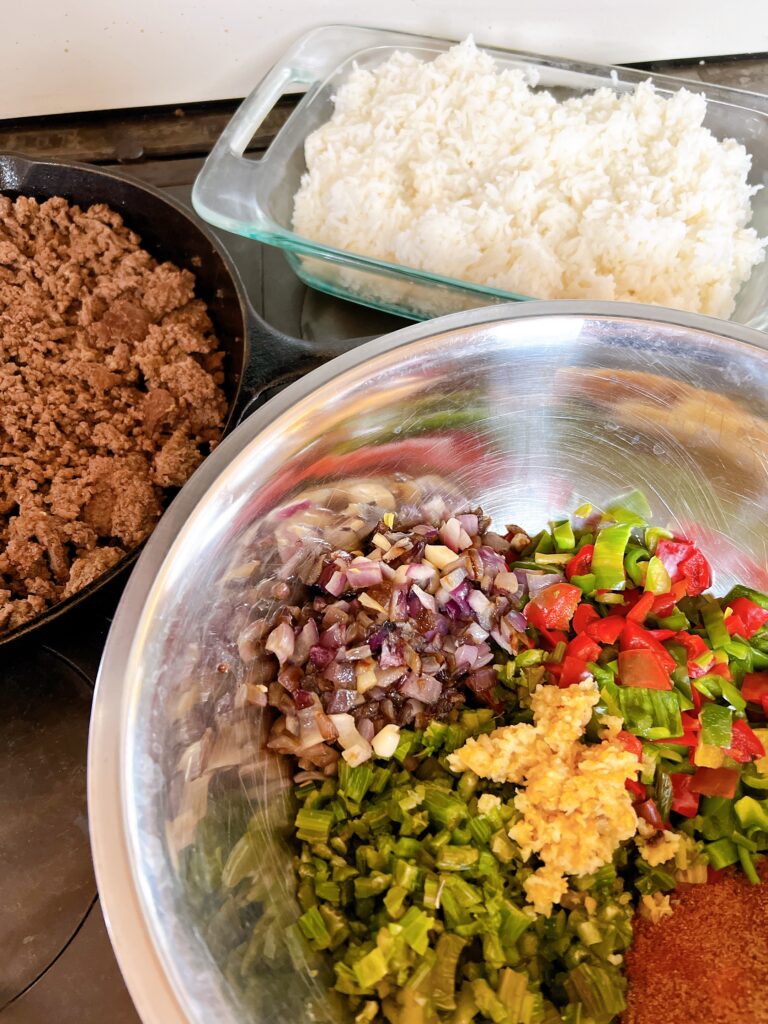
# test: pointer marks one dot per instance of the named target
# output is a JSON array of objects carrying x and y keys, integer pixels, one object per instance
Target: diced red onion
[
  {"x": 423, "y": 688},
  {"x": 501, "y": 641},
  {"x": 466, "y": 656},
  {"x": 387, "y": 572},
  {"x": 426, "y": 600},
  {"x": 362, "y": 573},
  {"x": 342, "y": 673},
  {"x": 337, "y": 584},
  {"x": 483, "y": 679},
  {"x": 321, "y": 656},
  {"x": 492, "y": 560},
  {"x": 484, "y": 655},
  {"x": 482, "y": 607},
  {"x": 305, "y": 641},
  {"x": 280, "y": 642},
  {"x": 537, "y": 583},
  {"x": 420, "y": 573},
  {"x": 516, "y": 620},
  {"x": 453, "y": 579},
  {"x": 469, "y": 522},
  {"x": 366, "y": 729},
  {"x": 454, "y": 536},
  {"x": 334, "y": 637},
  {"x": 398, "y": 605},
  {"x": 342, "y": 700},
  {"x": 475, "y": 633},
  {"x": 506, "y": 582},
  {"x": 391, "y": 655},
  {"x": 309, "y": 728},
  {"x": 356, "y": 653},
  {"x": 496, "y": 542},
  {"x": 387, "y": 677}
]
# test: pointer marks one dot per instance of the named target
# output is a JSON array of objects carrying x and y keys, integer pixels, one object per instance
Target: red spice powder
[{"x": 707, "y": 962}]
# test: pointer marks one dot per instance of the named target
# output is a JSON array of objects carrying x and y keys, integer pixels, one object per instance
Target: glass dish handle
[{"x": 231, "y": 190}]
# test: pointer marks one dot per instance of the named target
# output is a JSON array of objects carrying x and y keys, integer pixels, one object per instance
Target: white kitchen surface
[{"x": 58, "y": 57}]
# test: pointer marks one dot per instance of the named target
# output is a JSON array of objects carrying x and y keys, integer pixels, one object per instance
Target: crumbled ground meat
[{"x": 110, "y": 393}]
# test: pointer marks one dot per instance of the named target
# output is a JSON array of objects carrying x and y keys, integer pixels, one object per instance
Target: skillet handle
[{"x": 273, "y": 360}]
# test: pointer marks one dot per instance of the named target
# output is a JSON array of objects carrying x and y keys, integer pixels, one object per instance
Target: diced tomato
[
  {"x": 696, "y": 572},
  {"x": 673, "y": 553},
  {"x": 637, "y": 789},
  {"x": 751, "y": 614},
  {"x": 642, "y": 608},
  {"x": 744, "y": 743},
  {"x": 631, "y": 743},
  {"x": 583, "y": 646},
  {"x": 552, "y": 637},
  {"x": 608, "y": 630},
  {"x": 583, "y": 616},
  {"x": 573, "y": 671},
  {"x": 716, "y": 782},
  {"x": 553, "y": 607},
  {"x": 665, "y": 603},
  {"x": 754, "y": 687},
  {"x": 634, "y": 637},
  {"x": 650, "y": 812},
  {"x": 735, "y": 624},
  {"x": 641, "y": 667},
  {"x": 684, "y": 800},
  {"x": 581, "y": 562}
]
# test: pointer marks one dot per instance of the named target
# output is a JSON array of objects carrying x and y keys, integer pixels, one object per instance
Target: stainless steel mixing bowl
[{"x": 528, "y": 410}]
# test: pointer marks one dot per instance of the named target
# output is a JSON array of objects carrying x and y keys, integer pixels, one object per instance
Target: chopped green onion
[{"x": 313, "y": 826}]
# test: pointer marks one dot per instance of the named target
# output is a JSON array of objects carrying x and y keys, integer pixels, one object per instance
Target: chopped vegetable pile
[{"x": 434, "y": 636}]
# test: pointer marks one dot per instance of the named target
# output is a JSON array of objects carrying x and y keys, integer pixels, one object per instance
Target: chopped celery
[
  {"x": 354, "y": 782},
  {"x": 314, "y": 928},
  {"x": 313, "y": 826},
  {"x": 370, "y": 968},
  {"x": 444, "y": 808},
  {"x": 608, "y": 558},
  {"x": 456, "y": 858},
  {"x": 443, "y": 977},
  {"x": 599, "y": 990},
  {"x": 416, "y": 925}
]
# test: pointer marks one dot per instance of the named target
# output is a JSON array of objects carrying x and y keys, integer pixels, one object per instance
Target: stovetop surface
[{"x": 57, "y": 963}]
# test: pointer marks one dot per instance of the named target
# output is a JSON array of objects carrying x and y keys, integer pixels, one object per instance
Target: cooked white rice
[{"x": 457, "y": 168}]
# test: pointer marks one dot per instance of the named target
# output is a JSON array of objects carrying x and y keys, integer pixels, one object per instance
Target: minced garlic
[
  {"x": 575, "y": 809},
  {"x": 657, "y": 847}
]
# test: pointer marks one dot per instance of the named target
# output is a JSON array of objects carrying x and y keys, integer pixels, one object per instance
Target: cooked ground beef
[{"x": 110, "y": 394}]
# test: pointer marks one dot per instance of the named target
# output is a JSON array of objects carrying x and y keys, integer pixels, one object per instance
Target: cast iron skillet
[{"x": 256, "y": 356}]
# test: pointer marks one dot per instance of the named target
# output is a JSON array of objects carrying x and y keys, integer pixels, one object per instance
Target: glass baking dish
[{"x": 255, "y": 197}]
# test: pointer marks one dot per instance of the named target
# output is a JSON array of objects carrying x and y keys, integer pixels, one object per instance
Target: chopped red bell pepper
[
  {"x": 688, "y": 739},
  {"x": 642, "y": 668},
  {"x": 583, "y": 616},
  {"x": 736, "y": 625},
  {"x": 694, "y": 645},
  {"x": 582, "y": 646},
  {"x": 744, "y": 743},
  {"x": 754, "y": 687},
  {"x": 690, "y": 720},
  {"x": 696, "y": 572},
  {"x": 553, "y": 607},
  {"x": 608, "y": 630},
  {"x": 752, "y": 615},
  {"x": 673, "y": 553},
  {"x": 581, "y": 562},
  {"x": 631, "y": 743},
  {"x": 635, "y": 637},
  {"x": 684, "y": 561},
  {"x": 684, "y": 800},
  {"x": 637, "y": 789},
  {"x": 573, "y": 671},
  {"x": 641, "y": 608},
  {"x": 661, "y": 634},
  {"x": 665, "y": 603},
  {"x": 716, "y": 782},
  {"x": 720, "y": 669},
  {"x": 650, "y": 812}
]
